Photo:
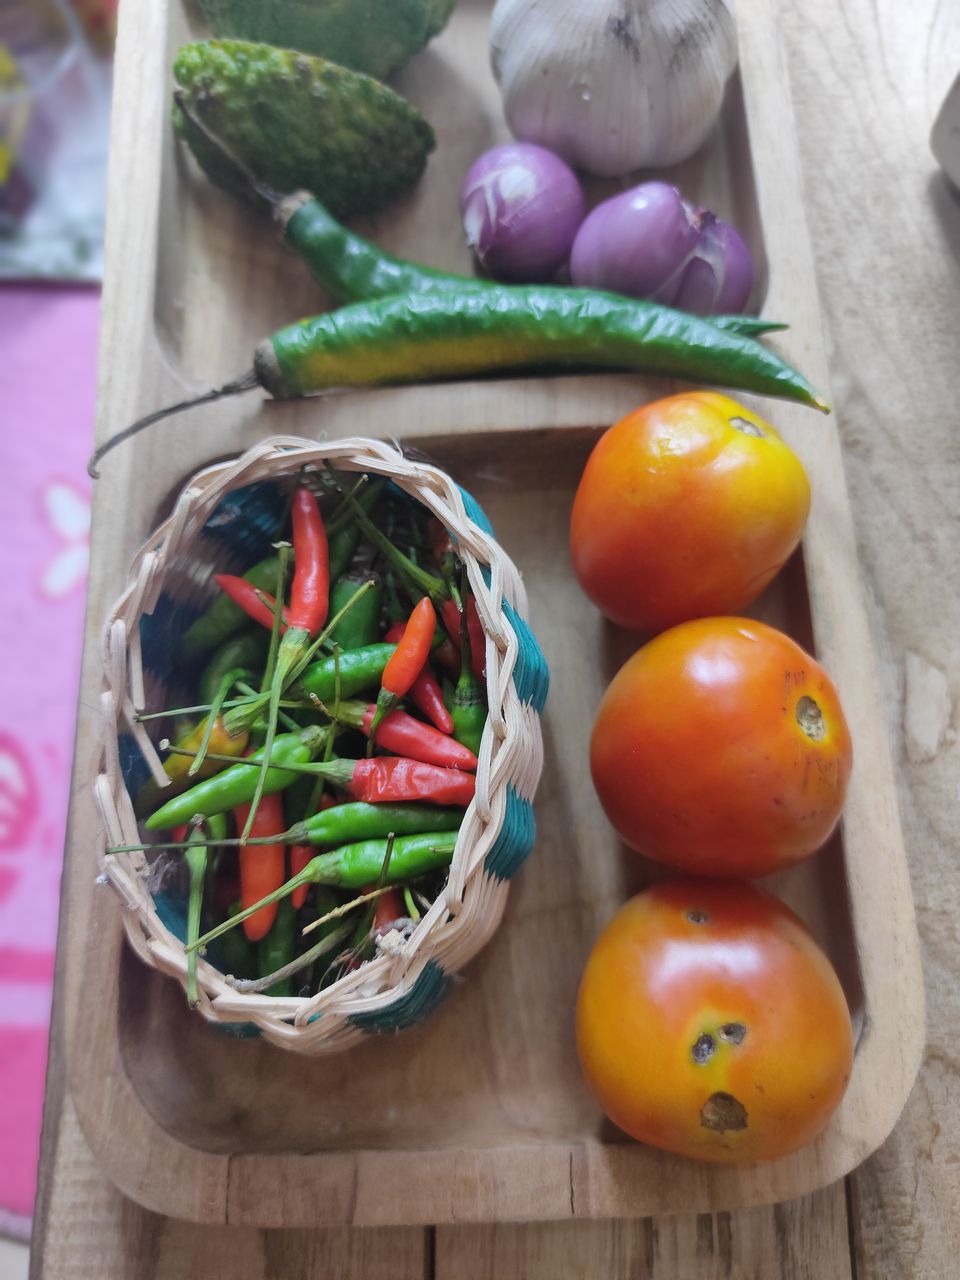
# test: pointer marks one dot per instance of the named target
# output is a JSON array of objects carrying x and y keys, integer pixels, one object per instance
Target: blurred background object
[
  {"x": 55, "y": 73},
  {"x": 945, "y": 139},
  {"x": 54, "y": 111}
]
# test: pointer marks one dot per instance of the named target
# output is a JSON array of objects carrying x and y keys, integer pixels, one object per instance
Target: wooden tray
[{"x": 481, "y": 1114}]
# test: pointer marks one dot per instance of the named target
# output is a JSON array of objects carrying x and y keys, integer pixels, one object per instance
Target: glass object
[{"x": 39, "y": 40}]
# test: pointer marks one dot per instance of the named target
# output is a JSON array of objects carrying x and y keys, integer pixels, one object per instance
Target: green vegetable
[
  {"x": 415, "y": 339},
  {"x": 278, "y": 948},
  {"x": 246, "y": 651},
  {"x": 297, "y": 121},
  {"x": 351, "y": 269},
  {"x": 360, "y": 669},
  {"x": 356, "y": 865},
  {"x": 375, "y": 36},
  {"x": 361, "y": 626},
  {"x": 224, "y": 617},
  {"x": 235, "y": 954},
  {"x": 237, "y": 784},
  {"x": 469, "y": 705},
  {"x": 342, "y": 542},
  {"x": 359, "y": 821}
]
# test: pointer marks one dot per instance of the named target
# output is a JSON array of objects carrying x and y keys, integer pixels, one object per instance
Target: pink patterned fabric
[{"x": 47, "y": 376}]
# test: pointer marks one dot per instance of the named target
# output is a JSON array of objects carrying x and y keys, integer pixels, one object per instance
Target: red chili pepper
[
  {"x": 453, "y": 621},
  {"x": 478, "y": 640},
  {"x": 425, "y": 692},
  {"x": 387, "y": 779},
  {"x": 404, "y": 736},
  {"x": 389, "y": 908},
  {"x": 262, "y": 866},
  {"x": 441, "y": 544},
  {"x": 300, "y": 855},
  {"x": 310, "y": 591},
  {"x": 256, "y": 604}
]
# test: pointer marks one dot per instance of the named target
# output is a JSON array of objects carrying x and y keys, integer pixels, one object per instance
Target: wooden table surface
[{"x": 867, "y": 78}]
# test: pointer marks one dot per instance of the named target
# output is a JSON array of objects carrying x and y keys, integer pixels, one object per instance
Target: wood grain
[
  {"x": 867, "y": 79},
  {"x": 869, "y": 76},
  {"x": 803, "y": 1240},
  {"x": 107, "y": 1237},
  {"x": 457, "y": 1122}
]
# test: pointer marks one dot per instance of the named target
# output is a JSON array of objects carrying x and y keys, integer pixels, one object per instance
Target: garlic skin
[{"x": 613, "y": 85}]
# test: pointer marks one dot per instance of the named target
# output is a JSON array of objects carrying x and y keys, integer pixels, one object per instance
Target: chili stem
[
  {"x": 275, "y": 692},
  {"x": 316, "y": 795},
  {"x": 253, "y": 986},
  {"x": 284, "y": 550},
  {"x": 227, "y": 705},
  {"x": 343, "y": 515},
  {"x": 426, "y": 582},
  {"x": 345, "y": 907},
  {"x": 296, "y": 671},
  {"x": 290, "y": 723},
  {"x": 409, "y": 903},
  {"x": 277, "y": 894},
  {"x": 225, "y": 686},
  {"x": 388, "y": 854},
  {"x": 290, "y": 767},
  {"x": 197, "y": 863}
]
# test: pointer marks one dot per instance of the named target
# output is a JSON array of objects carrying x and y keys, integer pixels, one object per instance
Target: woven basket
[{"x": 226, "y": 516}]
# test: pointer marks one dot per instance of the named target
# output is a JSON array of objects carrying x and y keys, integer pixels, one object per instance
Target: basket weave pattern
[{"x": 407, "y": 977}]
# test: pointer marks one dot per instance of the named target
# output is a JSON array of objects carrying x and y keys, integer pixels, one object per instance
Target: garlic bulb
[{"x": 613, "y": 85}]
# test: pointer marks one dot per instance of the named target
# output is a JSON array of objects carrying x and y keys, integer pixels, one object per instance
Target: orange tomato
[
  {"x": 686, "y": 507},
  {"x": 721, "y": 748},
  {"x": 711, "y": 1024}
]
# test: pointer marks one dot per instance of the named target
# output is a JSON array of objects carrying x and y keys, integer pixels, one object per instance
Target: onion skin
[
  {"x": 521, "y": 207},
  {"x": 651, "y": 243}
]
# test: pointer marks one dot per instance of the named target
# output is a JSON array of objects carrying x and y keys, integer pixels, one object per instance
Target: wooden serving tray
[{"x": 480, "y": 1114}]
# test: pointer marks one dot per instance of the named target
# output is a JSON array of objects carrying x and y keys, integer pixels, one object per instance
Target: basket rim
[{"x": 468, "y": 910}]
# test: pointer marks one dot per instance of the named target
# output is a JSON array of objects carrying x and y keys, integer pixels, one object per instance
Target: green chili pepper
[
  {"x": 278, "y": 948},
  {"x": 348, "y": 267},
  {"x": 414, "y": 338},
  {"x": 418, "y": 337},
  {"x": 354, "y": 865},
  {"x": 343, "y": 541},
  {"x": 224, "y": 617},
  {"x": 469, "y": 706},
  {"x": 245, "y": 651},
  {"x": 237, "y": 784},
  {"x": 359, "y": 670},
  {"x": 360, "y": 821},
  {"x": 361, "y": 626},
  {"x": 236, "y": 954},
  {"x": 216, "y": 827},
  {"x": 351, "y": 269}
]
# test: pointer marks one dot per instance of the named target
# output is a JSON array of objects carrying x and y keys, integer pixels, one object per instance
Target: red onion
[
  {"x": 521, "y": 208},
  {"x": 651, "y": 243}
]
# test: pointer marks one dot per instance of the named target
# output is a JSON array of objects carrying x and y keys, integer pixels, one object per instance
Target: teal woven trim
[
  {"x": 516, "y": 838},
  {"x": 475, "y": 512},
  {"x": 531, "y": 675},
  {"x": 423, "y": 997}
]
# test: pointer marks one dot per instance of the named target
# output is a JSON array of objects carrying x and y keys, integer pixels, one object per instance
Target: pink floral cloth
[{"x": 48, "y": 342}]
